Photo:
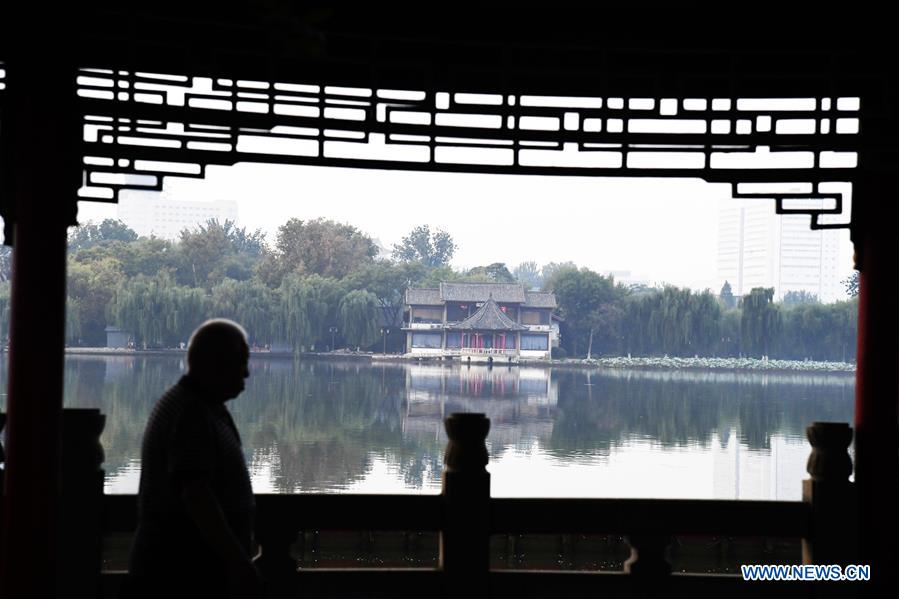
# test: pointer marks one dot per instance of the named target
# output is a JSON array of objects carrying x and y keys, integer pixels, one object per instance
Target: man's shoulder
[
  {"x": 178, "y": 394},
  {"x": 179, "y": 401}
]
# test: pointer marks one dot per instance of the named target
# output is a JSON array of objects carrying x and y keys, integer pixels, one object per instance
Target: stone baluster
[
  {"x": 834, "y": 531},
  {"x": 81, "y": 505},
  {"x": 465, "y": 538}
]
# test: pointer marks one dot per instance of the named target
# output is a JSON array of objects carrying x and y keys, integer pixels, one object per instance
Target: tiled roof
[
  {"x": 423, "y": 297},
  {"x": 488, "y": 318},
  {"x": 479, "y": 292},
  {"x": 537, "y": 299}
]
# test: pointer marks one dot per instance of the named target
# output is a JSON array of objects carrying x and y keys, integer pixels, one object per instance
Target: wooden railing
[
  {"x": 488, "y": 351},
  {"x": 465, "y": 516}
]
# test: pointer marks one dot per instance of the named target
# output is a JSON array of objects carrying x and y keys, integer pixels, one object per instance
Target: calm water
[{"x": 325, "y": 426}]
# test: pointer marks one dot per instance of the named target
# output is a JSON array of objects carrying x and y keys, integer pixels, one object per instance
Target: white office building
[
  {"x": 758, "y": 248},
  {"x": 151, "y": 213}
]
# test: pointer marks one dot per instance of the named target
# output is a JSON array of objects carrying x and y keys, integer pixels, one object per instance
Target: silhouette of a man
[{"x": 195, "y": 504}]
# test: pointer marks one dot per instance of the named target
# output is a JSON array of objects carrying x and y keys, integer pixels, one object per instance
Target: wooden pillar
[
  {"x": 41, "y": 173},
  {"x": 81, "y": 509},
  {"x": 465, "y": 538},
  {"x": 877, "y": 379}
]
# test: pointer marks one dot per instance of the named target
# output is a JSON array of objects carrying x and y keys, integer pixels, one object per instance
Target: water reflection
[
  {"x": 520, "y": 402},
  {"x": 325, "y": 426}
]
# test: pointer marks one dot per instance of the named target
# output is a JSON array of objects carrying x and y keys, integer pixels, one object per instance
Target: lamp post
[
  {"x": 384, "y": 333},
  {"x": 333, "y": 331}
]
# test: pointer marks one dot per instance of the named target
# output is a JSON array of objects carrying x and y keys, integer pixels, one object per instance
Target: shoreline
[
  {"x": 623, "y": 363},
  {"x": 110, "y": 351}
]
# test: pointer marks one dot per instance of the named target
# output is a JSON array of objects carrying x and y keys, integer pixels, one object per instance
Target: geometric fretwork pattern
[{"x": 141, "y": 127}]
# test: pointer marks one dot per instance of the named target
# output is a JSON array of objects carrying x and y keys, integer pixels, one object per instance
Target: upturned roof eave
[{"x": 489, "y": 318}]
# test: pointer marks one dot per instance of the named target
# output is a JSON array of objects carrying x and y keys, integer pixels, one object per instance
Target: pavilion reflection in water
[{"x": 520, "y": 402}]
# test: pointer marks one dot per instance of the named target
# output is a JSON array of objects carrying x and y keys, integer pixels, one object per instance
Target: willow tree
[
  {"x": 673, "y": 321},
  {"x": 760, "y": 322},
  {"x": 636, "y": 322},
  {"x": 292, "y": 323},
  {"x": 250, "y": 303},
  {"x": 358, "y": 317},
  {"x": 325, "y": 294},
  {"x": 305, "y": 309},
  {"x": 156, "y": 311},
  {"x": 73, "y": 321},
  {"x": 705, "y": 322},
  {"x": 191, "y": 308}
]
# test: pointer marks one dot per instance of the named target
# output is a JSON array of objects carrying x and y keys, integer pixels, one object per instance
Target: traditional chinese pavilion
[{"x": 480, "y": 322}]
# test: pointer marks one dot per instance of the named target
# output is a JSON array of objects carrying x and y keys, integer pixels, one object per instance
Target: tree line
[
  {"x": 319, "y": 285},
  {"x": 605, "y": 318},
  {"x": 323, "y": 284}
]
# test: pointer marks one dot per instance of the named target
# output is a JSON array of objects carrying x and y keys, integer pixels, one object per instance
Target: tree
[
  {"x": 492, "y": 273},
  {"x": 157, "y": 311},
  {"x": 674, "y": 321},
  {"x": 91, "y": 286},
  {"x": 209, "y": 253},
  {"x": 729, "y": 343},
  {"x": 250, "y": 303},
  {"x": 358, "y": 318},
  {"x": 760, "y": 322},
  {"x": 243, "y": 241},
  {"x": 850, "y": 283},
  {"x": 549, "y": 271},
  {"x": 319, "y": 246},
  {"x": 727, "y": 297},
  {"x": 589, "y": 303},
  {"x": 819, "y": 331},
  {"x": 145, "y": 256},
  {"x": 388, "y": 281},
  {"x": 604, "y": 321},
  {"x": 421, "y": 245},
  {"x": 90, "y": 234},
  {"x": 434, "y": 276},
  {"x": 794, "y": 298},
  {"x": 636, "y": 289},
  {"x": 306, "y": 309},
  {"x": 528, "y": 274},
  {"x": 73, "y": 321}
]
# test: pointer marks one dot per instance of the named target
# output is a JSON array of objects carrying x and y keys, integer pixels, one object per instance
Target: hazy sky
[{"x": 660, "y": 230}]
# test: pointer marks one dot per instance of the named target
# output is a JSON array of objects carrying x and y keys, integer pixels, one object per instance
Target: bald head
[{"x": 217, "y": 356}]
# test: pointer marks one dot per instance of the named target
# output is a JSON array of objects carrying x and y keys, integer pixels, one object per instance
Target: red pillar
[
  {"x": 877, "y": 388},
  {"x": 41, "y": 171}
]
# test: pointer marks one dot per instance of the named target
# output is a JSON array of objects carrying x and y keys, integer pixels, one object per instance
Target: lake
[{"x": 326, "y": 426}]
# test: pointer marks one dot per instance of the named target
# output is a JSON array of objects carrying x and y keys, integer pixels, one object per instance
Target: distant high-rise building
[
  {"x": 758, "y": 248},
  {"x": 155, "y": 214}
]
